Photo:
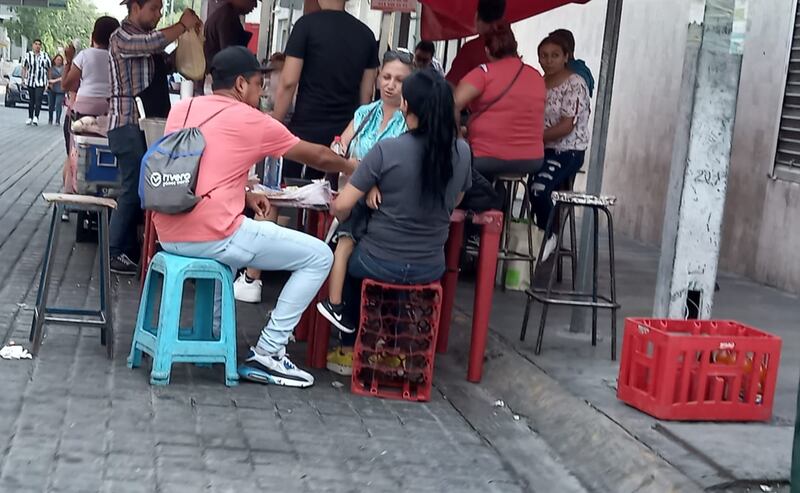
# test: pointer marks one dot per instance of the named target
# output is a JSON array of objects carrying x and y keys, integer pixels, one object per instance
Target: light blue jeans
[{"x": 266, "y": 246}]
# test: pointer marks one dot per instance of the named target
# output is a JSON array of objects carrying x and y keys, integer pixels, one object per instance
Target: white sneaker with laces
[
  {"x": 35, "y": 121},
  {"x": 248, "y": 292},
  {"x": 28, "y": 121},
  {"x": 549, "y": 247},
  {"x": 276, "y": 369}
]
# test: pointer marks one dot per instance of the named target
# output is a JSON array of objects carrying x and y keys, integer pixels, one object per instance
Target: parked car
[{"x": 16, "y": 93}]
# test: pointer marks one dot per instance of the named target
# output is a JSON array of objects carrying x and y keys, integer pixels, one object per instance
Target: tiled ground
[{"x": 75, "y": 422}]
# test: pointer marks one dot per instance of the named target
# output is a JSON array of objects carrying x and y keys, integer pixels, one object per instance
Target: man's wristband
[{"x": 185, "y": 29}]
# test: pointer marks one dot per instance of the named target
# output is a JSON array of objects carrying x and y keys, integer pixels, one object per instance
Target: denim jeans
[
  {"x": 559, "y": 166},
  {"x": 266, "y": 246},
  {"x": 128, "y": 145},
  {"x": 55, "y": 104},
  {"x": 362, "y": 266}
]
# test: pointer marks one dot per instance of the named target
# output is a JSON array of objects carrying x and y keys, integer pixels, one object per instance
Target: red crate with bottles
[{"x": 698, "y": 370}]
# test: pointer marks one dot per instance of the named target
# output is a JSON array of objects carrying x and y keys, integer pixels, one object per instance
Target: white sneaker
[
  {"x": 28, "y": 121},
  {"x": 276, "y": 369},
  {"x": 248, "y": 292},
  {"x": 35, "y": 121},
  {"x": 549, "y": 247}
]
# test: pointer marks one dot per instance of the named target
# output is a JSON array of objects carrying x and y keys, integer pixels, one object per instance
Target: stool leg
[
  {"x": 449, "y": 282},
  {"x": 552, "y": 279},
  {"x": 526, "y": 213},
  {"x": 502, "y": 265},
  {"x": 106, "y": 308},
  {"x": 203, "y": 322},
  {"x": 559, "y": 257},
  {"x": 573, "y": 247},
  {"x": 525, "y": 317},
  {"x": 47, "y": 251},
  {"x": 144, "y": 317},
  {"x": 39, "y": 313},
  {"x": 228, "y": 330},
  {"x": 169, "y": 319},
  {"x": 595, "y": 255},
  {"x": 613, "y": 284}
]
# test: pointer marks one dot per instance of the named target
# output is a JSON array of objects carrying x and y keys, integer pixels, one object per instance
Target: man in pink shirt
[{"x": 237, "y": 135}]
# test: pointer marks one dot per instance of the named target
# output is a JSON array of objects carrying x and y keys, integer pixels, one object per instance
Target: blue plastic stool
[{"x": 168, "y": 343}]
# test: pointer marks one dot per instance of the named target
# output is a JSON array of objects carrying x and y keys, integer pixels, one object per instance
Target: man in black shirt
[
  {"x": 331, "y": 61},
  {"x": 224, "y": 27}
]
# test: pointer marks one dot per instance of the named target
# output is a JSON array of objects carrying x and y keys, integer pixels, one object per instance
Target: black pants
[
  {"x": 317, "y": 135},
  {"x": 35, "y": 95},
  {"x": 491, "y": 167},
  {"x": 128, "y": 145}
]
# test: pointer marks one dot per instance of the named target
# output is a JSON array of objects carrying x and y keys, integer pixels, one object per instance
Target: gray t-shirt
[{"x": 407, "y": 228}]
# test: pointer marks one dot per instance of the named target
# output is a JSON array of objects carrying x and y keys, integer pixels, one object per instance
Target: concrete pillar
[{"x": 700, "y": 161}]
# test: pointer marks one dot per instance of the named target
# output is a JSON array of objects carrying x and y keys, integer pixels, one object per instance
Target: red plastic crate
[
  {"x": 396, "y": 343},
  {"x": 698, "y": 370}
]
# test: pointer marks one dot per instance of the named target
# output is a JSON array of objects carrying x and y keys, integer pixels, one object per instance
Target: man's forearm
[
  {"x": 331, "y": 163},
  {"x": 282, "y": 101}
]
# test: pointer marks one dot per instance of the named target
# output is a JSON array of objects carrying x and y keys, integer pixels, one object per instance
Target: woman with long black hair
[{"x": 422, "y": 176}]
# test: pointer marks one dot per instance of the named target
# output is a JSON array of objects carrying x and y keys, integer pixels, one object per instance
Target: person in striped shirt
[
  {"x": 35, "y": 75},
  {"x": 138, "y": 69}
]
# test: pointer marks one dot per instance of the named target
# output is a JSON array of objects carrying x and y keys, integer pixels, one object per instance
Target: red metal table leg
[
  {"x": 305, "y": 331},
  {"x": 319, "y": 330},
  {"x": 148, "y": 247},
  {"x": 491, "y": 227},
  {"x": 452, "y": 251}
]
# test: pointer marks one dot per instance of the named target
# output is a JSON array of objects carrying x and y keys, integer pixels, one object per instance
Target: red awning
[{"x": 452, "y": 19}]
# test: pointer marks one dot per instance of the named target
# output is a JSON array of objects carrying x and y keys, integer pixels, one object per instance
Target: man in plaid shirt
[
  {"x": 138, "y": 69},
  {"x": 35, "y": 75}
]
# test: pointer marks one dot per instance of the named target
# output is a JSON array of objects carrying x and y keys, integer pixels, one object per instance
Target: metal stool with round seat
[
  {"x": 511, "y": 183},
  {"x": 568, "y": 201}
]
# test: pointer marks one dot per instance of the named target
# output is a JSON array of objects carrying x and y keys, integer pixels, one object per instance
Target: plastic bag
[
  {"x": 190, "y": 61},
  {"x": 518, "y": 272}
]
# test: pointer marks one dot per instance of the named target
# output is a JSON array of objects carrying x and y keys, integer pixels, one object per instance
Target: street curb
[{"x": 602, "y": 455}]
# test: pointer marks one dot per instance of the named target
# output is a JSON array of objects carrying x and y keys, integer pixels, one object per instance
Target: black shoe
[
  {"x": 123, "y": 265},
  {"x": 334, "y": 314}
]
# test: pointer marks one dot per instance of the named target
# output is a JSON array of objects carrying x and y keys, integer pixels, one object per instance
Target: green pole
[{"x": 796, "y": 448}]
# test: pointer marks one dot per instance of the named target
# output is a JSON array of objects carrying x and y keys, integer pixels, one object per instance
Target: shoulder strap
[
  {"x": 186, "y": 118},
  {"x": 364, "y": 122},
  {"x": 500, "y": 96}
]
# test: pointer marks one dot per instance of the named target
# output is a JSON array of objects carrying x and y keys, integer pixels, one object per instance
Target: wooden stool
[{"x": 75, "y": 316}]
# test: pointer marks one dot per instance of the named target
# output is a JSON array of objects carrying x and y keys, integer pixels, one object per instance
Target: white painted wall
[{"x": 761, "y": 238}]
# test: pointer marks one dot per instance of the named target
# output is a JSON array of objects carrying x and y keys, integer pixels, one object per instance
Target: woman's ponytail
[{"x": 430, "y": 98}]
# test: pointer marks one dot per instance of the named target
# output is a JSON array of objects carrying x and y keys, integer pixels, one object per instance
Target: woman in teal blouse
[
  {"x": 381, "y": 119},
  {"x": 371, "y": 123}
]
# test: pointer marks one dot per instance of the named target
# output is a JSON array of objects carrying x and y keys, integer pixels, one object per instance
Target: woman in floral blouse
[{"x": 566, "y": 134}]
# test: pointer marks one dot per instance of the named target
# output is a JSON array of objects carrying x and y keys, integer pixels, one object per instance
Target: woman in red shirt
[{"x": 506, "y": 99}]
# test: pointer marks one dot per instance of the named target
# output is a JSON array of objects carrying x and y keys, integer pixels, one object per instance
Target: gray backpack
[{"x": 168, "y": 176}]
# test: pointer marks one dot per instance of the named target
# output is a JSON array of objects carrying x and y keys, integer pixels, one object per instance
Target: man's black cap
[{"x": 233, "y": 62}]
